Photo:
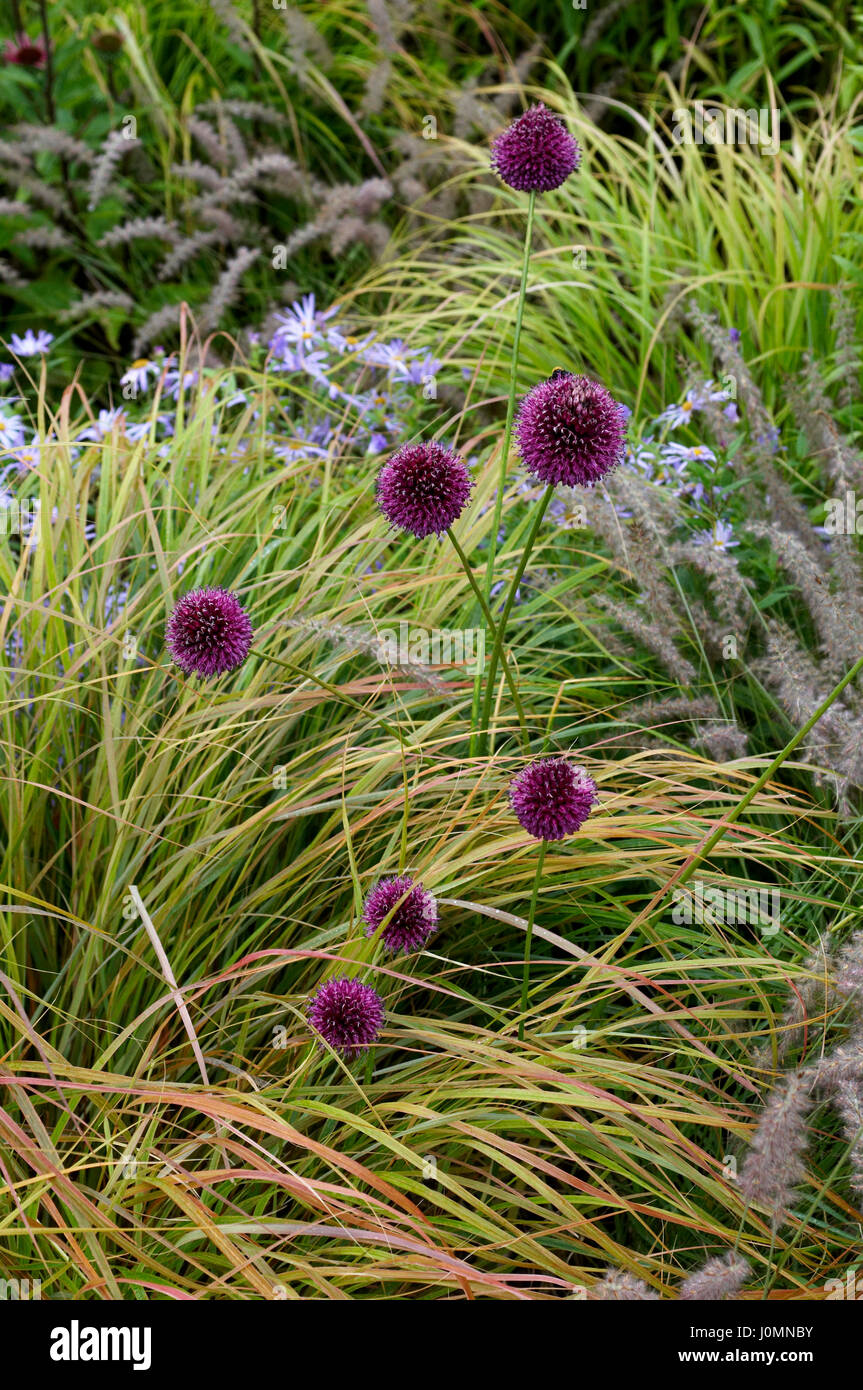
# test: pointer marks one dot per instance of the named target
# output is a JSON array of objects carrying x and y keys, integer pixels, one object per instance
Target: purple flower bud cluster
[
  {"x": 347, "y": 1014},
  {"x": 552, "y": 798},
  {"x": 536, "y": 153},
  {"x": 209, "y": 633},
  {"x": 410, "y": 908}
]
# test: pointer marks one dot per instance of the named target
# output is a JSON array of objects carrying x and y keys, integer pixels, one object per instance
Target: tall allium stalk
[
  {"x": 570, "y": 433},
  {"x": 552, "y": 798},
  {"x": 423, "y": 489},
  {"x": 510, "y": 403},
  {"x": 535, "y": 154}
]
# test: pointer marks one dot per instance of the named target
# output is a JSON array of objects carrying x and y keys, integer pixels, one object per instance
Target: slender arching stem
[
  {"x": 492, "y": 625},
  {"x": 528, "y": 936},
  {"x": 497, "y": 650},
  {"x": 334, "y": 691},
  {"x": 510, "y": 404},
  {"x": 711, "y": 843}
]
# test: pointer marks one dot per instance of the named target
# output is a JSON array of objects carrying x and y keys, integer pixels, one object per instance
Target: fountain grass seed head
[
  {"x": 536, "y": 153},
  {"x": 208, "y": 633},
  {"x": 413, "y": 921},
  {"x": 423, "y": 488},
  {"x": 570, "y": 430},
  {"x": 552, "y": 798}
]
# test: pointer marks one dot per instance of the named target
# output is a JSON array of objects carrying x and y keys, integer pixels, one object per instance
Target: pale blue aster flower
[
  {"x": 301, "y": 325},
  {"x": 688, "y": 453},
  {"x": 138, "y": 375},
  {"x": 721, "y": 537},
  {"x": 11, "y": 431},
  {"x": 32, "y": 344},
  {"x": 681, "y": 414}
]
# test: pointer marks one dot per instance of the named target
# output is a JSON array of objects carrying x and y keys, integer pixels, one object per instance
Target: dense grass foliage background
[{"x": 168, "y": 841}]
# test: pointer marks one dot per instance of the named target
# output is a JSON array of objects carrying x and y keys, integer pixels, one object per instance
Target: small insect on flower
[
  {"x": 347, "y": 1014},
  {"x": 208, "y": 633},
  {"x": 552, "y": 798},
  {"x": 570, "y": 430},
  {"x": 414, "y": 919},
  {"x": 423, "y": 488},
  {"x": 536, "y": 153}
]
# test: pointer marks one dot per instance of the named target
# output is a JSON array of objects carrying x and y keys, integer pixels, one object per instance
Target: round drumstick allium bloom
[
  {"x": 423, "y": 488},
  {"x": 552, "y": 798},
  {"x": 347, "y": 1014},
  {"x": 570, "y": 430},
  {"x": 414, "y": 920},
  {"x": 208, "y": 633},
  {"x": 536, "y": 153}
]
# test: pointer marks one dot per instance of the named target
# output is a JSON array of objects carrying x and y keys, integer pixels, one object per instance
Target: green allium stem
[
  {"x": 510, "y": 405},
  {"x": 507, "y": 436},
  {"x": 493, "y": 629},
  {"x": 528, "y": 936},
  {"x": 497, "y": 650}
]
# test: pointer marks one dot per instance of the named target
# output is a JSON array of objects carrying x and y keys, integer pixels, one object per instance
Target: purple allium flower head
[
  {"x": 208, "y": 633},
  {"x": 413, "y": 921},
  {"x": 570, "y": 430},
  {"x": 423, "y": 488},
  {"x": 552, "y": 798},
  {"x": 347, "y": 1014},
  {"x": 536, "y": 153}
]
